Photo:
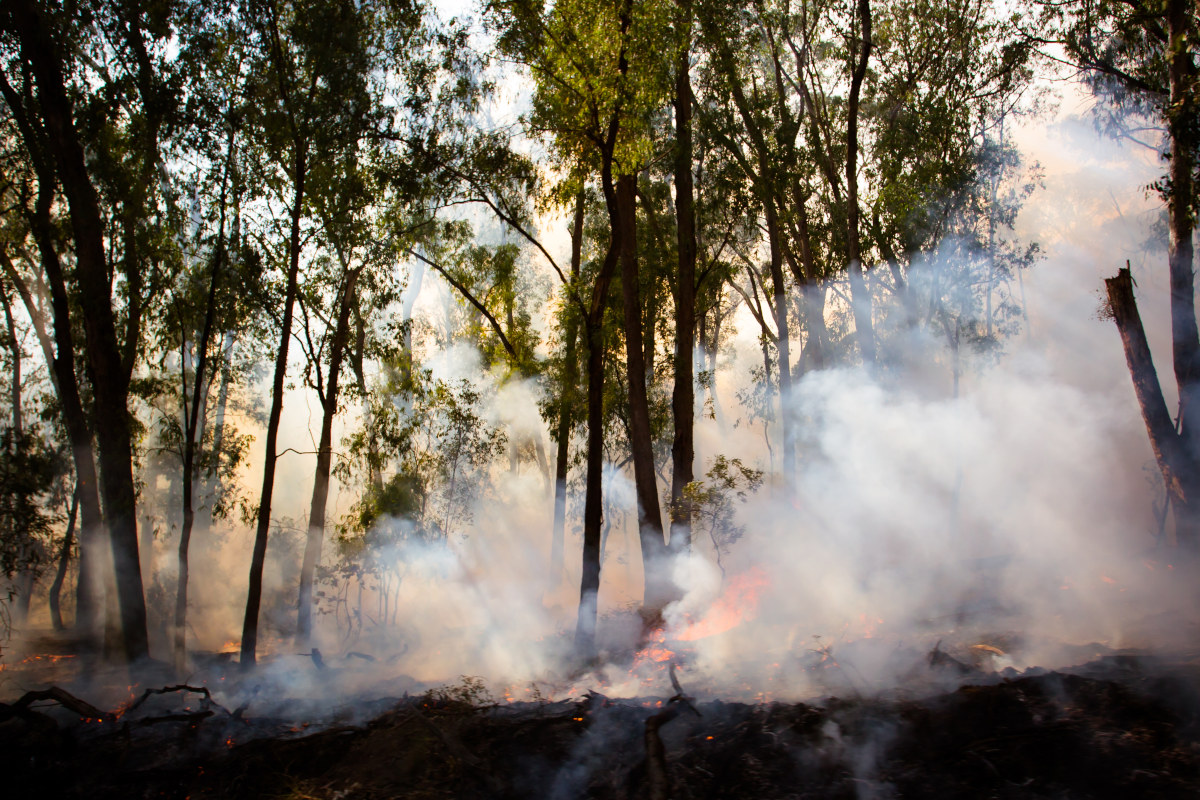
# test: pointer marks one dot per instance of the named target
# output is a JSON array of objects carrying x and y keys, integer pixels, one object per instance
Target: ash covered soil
[{"x": 1119, "y": 727}]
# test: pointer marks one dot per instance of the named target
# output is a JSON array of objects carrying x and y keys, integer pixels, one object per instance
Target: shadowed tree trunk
[
  {"x": 193, "y": 427},
  {"x": 593, "y": 504},
  {"x": 1182, "y": 127},
  {"x": 258, "y": 558},
  {"x": 320, "y": 493},
  {"x": 860, "y": 295},
  {"x": 64, "y": 560},
  {"x": 656, "y": 590},
  {"x": 683, "y": 394}
]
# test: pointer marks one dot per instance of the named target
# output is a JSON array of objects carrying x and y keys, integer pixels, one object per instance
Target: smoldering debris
[{"x": 1118, "y": 727}]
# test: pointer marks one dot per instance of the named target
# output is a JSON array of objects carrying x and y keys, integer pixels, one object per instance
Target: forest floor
[{"x": 1125, "y": 725}]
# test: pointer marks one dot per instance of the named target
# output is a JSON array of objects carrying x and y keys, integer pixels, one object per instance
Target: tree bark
[
  {"x": 263, "y": 529},
  {"x": 683, "y": 394},
  {"x": 593, "y": 508},
  {"x": 193, "y": 428},
  {"x": 782, "y": 344}
]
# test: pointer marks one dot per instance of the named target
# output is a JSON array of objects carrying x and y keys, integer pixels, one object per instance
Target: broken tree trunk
[{"x": 1177, "y": 465}]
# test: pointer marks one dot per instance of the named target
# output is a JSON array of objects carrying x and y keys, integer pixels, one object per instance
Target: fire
[
  {"x": 738, "y": 603},
  {"x": 120, "y": 710},
  {"x": 655, "y": 651}
]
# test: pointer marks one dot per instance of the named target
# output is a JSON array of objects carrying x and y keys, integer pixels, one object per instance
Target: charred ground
[{"x": 1122, "y": 726}]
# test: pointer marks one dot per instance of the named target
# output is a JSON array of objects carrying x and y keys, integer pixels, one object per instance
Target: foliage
[{"x": 713, "y": 502}]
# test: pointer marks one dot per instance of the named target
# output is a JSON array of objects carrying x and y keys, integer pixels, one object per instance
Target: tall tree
[
  {"x": 312, "y": 91},
  {"x": 110, "y": 52},
  {"x": 683, "y": 396}
]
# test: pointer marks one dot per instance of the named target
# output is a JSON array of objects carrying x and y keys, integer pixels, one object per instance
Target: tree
[
  {"x": 313, "y": 91},
  {"x": 1141, "y": 54},
  {"x": 598, "y": 78},
  {"x": 108, "y": 55}
]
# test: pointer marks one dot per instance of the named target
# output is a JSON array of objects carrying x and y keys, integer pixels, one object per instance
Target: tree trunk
[
  {"x": 109, "y": 379},
  {"x": 1177, "y": 465},
  {"x": 566, "y": 404},
  {"x": 320, "y": 493},
  {"x": 64, "y": 560},
  {"x": 270, "y": 455},
  {"x": 683, "y": 394},
  {"x": 593, "y": 503},
  {"x": 859, "y": 294},
  {"x": 193, "y": 431},
  {"x": 783, "y": 344},
  {"x": 1181, "y": 120},
  {"x": 656, "y": 590}
]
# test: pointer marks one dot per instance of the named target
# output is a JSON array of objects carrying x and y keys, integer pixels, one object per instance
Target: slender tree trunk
[
  {"x": 657, "y": 589},
  {"x": 320, "y": 493},
  {"x": 566, "y": 404},
  {"x": 258, "y": 558},
  {"x": 193, "y": 428},
  {"x": 109, "y": 380},
  {"x": 357, "y": 355},
  {"x": 28, "y": 575},
  {"x": 593, "y": 503},
  {"x": 63, "y": 378},
  {"x": 683, "y": 394},
  {"x": 783, "y": 344},
  {"x": 228, "y": 340},
  {"x": 1181, "y": 120},
  {"x": 14, "y": 347},
  {"x": 859, "y": 294},
  {"x": 64, "y": 560},
  {"x": 593, "y": 512}
]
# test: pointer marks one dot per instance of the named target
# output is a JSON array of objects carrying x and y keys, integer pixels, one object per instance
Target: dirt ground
[{"x": 1119, "y": 727}]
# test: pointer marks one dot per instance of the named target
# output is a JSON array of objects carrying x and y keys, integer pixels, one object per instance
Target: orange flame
[{"x": 738, "y": 603}]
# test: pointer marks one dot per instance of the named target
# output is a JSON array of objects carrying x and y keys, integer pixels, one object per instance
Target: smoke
[{"x": 1008, "y": 522}]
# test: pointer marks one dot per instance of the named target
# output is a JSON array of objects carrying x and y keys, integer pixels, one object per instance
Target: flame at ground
[{"x": 737, "y": 604}]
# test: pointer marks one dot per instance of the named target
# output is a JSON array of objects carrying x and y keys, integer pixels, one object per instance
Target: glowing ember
[
  {"x": 121, "y": 709},
  {"x": 738, "y": 603},
  {"x": 655, "y": 651}
]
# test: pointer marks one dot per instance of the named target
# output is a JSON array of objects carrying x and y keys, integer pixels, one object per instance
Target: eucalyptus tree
[
  {"x": 92, "y": 90},
  {"x": 744, "y": 116},
  {"x": 316, "y": 89},
  {"x": 600, "y": 73}
]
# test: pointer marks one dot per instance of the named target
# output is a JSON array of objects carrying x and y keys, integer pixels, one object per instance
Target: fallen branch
[
  {"x": 22, "y": 709},
  {"x": 206, "y": 701}
]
